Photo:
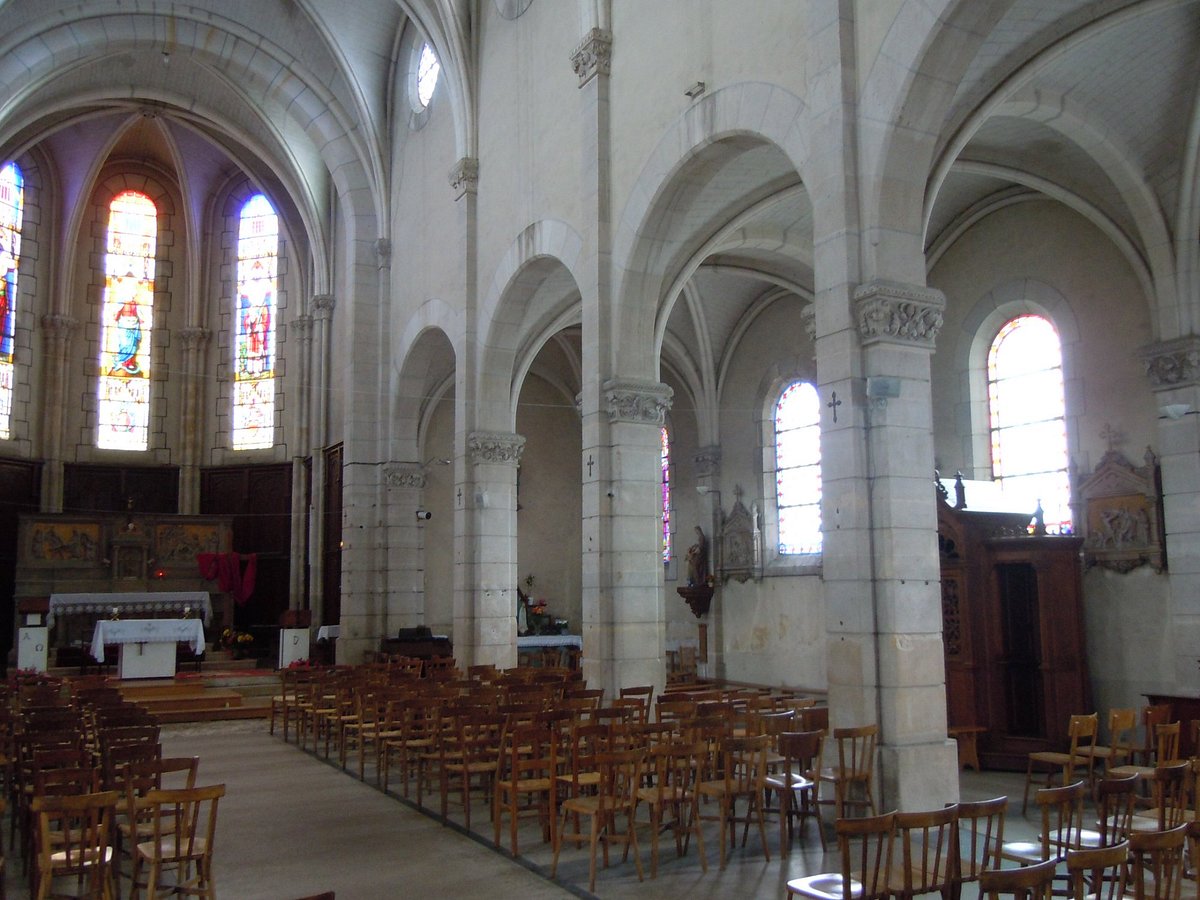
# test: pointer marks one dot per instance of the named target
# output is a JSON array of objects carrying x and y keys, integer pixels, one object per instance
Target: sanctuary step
[{"x": 222, "y": 689}]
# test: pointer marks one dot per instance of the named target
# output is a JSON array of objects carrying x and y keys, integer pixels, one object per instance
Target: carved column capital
[
  {"x": 322, "y": 306},
  {"x": 404, "y": 475},
  {"x": 383, "y": 252},
  {"x": 707, "y": 461},
  {"x": 808, "y": 321},
  {"x": 194, "y": 338},
  {"x": 464, "y": 177},
  {"x": 56, "y": 325},
  {"x": 491, "y": 447},
  {"x": 593, "y": 56},
  {"x": 894, "y": 313},
  {"x": 1172, "y": 364},
  {"x": 644, "y": 402},
  {"x": 302, "y": 327}
]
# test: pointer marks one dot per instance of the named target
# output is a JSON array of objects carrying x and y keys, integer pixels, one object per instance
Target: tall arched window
[
  {"x": 1027, "y": 413},
  {"x": 126, "y": 323},
  {"x": 254, "y": 331},
  {"x": 798, "y": 468},
  {"x": 12, "y": 202},
  {"x": 666, "y": 494}
]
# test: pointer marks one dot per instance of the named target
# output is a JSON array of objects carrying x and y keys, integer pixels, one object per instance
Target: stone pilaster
[
  {"x": 191, "y": 444},
  {"x": 405, "y": 541},
  {"x": 886, "y": 659},
  {"x": 623, "y": 636},
  {"x": 319, "y": 335},
  {"x": 57, "y": 331},
  {"x": 488, "y": 631},
  {"x": 1173, "y": 368}
]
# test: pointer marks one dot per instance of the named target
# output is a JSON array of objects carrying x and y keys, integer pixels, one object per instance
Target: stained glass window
[
  {"x": 428, "y": 69},
  {"x": 798, "y": 468},
  {"x": 12, "y": 201},
  {"x": 1028, "y": 418},
  {"x": 254, "y": 330},
  {"x": 126, "y": 323},
  {"x": 666, "y": 494}
]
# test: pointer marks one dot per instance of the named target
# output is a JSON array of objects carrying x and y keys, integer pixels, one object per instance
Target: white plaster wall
[
  {"x": 1048, "y": 243},
  {"x": 549, "y": 523},
  {"x": 774, "y": 632},
  {"x": 666, "y": 46},
  {"x": 531, "y": 127},
  {"x": 1128, "y": 643}
]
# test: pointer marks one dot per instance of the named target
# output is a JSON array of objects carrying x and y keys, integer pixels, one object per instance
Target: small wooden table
[{"x": 968, "y": 745}]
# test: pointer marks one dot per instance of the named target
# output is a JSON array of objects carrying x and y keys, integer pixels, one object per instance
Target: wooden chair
[
  {"x": 1081, "y": 730},
  {"x": 1166, "y": 740},
  {"x": 1122, "y": 724},
  {"x": 530, "y": 764},
  {"x": 1156, "y": 863},
  {"x": 615, "y": 798},
  {"x": 672, "y": 798},
  {"x": 1114, "y": 812},
  {"x": 855, "y": 766},
  {"x": 1153, "y": 715},
  {"x": 928, "y": 858},
  {"x": 1062, "y": 813},
  {"x": 744, "y": 769},
  {"x": 184, "y": 832},
  {"x": 794, "y": 782},
  {"x": 72, "y": 839},
  {"x": 1098, "y": 873},
  {"x": 980, "y": 837},
  {"x": 1032, "y": 882},
  {"x": 1169, "y": 785},
  {"x": 471, "y": 758},
  {"x": 865, "y": 847}
]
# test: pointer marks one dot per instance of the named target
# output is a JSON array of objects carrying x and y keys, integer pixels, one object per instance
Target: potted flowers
[{"x": 237, "y": 641}]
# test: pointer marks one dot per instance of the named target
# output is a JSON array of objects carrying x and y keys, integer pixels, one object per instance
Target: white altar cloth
[
  {"x": 147, "y": 631},
  {"x": 550, "y": 640},
  {"x": 131, "y": 603}
]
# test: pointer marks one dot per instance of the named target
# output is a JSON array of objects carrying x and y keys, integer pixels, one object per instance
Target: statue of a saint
[{"x": 697, "y": 560}]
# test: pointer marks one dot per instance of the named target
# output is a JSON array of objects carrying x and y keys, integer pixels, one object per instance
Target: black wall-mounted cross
[{"x": 833, "y": 404}]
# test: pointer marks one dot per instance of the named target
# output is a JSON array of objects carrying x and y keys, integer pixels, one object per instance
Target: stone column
[
  {"x": 486, "y": 631},
  {"x": 1173, "y": 368},
  {"x": 707, "y": 461},
  {"x": 880, "y": 555},
  {"x": 57, "y": 331},
  {"x": 301, "y": 328},
  {"x": 623, "y": 632},
  {"x": 404, "y": 538},
  {"x": 322, "y": 307},
  {"x": 192, "y": 435}
]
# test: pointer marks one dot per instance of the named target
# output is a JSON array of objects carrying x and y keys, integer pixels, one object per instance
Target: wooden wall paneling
[{"x": 20, "y": 492}]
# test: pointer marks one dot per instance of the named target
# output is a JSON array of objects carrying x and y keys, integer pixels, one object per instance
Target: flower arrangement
[
  {"x": 300, "y": 664},
  {"x": 234, "y": 639}
]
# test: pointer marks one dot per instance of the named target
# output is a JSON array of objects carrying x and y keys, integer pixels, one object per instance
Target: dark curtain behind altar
[{"x": 259, "y": 500}]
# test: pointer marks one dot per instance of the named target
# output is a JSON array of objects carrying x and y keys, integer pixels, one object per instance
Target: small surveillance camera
[{"x": 424, "y": 514}]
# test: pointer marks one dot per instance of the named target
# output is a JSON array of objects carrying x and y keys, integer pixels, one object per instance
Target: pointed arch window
[
  {"x": 665, "y": 441},
  {"x": 1027, "y": 414},
  {"x": 126, "y": 323},
  {"x": 254, "y": 329},
  {"x": 798, "y": 469},
  {"x": 12, "y": 207}
]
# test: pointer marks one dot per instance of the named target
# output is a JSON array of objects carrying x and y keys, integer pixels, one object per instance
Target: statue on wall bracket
[{"x": 1123, "y": 517}]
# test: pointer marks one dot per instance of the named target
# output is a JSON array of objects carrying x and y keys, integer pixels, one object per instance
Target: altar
[{"x": 147, "y": 645}]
